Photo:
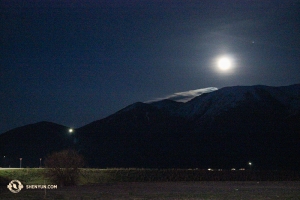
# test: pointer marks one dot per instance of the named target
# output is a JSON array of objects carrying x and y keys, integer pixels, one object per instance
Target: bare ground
[{"x": 167, "y": 190}]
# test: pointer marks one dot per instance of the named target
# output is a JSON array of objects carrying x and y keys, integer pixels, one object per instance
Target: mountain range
[{"x": 224, "y": 128}]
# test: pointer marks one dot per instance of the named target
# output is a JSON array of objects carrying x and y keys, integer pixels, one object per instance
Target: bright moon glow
[{"x": 224, "y": 63}]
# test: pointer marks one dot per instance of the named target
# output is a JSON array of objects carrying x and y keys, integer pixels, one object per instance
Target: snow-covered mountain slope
[
  {"x": 185, "y": 96},
  {"x": 222, "y": 100},
  {"x": 214, "y": 103}
]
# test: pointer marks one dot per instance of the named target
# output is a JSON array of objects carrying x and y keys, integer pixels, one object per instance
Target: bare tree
[{"x": 63, "y": 167}]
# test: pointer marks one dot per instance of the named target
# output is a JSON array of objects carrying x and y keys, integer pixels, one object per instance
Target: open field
[
  {"x": 168, "y": 190},
  {"x": 94, "y": 176},
  {"x": 158, "y": 184}
]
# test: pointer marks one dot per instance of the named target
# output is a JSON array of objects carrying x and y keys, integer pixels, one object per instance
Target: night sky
[{"x": 74, "y": 62}]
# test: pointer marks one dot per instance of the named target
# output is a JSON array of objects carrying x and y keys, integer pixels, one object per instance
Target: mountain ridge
[{"x": 224, "y": 128}]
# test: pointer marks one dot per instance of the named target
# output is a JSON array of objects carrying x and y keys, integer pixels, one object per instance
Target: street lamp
[
  {"x": 40, "y": 162},
  {"x": 3, "y": 161},
  {"x": 250, "y": 164},
  {"x": 20, "y": 162},
  {"x": 73, "y": 137}
]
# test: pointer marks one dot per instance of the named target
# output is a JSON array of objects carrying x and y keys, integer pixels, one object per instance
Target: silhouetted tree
[{"x": 63, "y": 167}]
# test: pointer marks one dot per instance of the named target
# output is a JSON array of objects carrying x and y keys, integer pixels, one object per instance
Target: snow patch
[{"x": 185, "y": 96}]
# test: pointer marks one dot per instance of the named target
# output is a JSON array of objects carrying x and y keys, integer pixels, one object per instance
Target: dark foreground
[{"x": 167, "y": 190}]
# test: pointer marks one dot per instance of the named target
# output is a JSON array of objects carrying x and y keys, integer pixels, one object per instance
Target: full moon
[{"x": 224, "y": 63}]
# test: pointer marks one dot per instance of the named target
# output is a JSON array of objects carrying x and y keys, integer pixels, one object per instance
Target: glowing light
[
  {"x": 224, "y": 63},
  {"x": 71, "y": 130}
]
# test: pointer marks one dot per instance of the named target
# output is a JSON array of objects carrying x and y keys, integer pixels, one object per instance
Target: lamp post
[
  {"x": 3, "y": 161},
  {"x": 40, "y": 162},
  {"x": 250, "y": 164},
  {"x": 20, "y": 162},
  {"x": 73, "y": 138}
]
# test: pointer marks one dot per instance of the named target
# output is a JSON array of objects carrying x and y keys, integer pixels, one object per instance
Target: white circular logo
[{"x": 15, "y": 186}]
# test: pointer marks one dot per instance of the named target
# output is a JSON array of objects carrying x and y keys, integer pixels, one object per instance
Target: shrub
[{"x": 63, "y": 167}]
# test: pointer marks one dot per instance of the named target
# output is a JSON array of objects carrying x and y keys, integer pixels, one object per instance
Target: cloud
[{"x": 185, "y": 96}]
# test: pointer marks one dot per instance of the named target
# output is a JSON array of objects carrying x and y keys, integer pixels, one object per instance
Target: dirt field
[{"x": 168, "y": 190}]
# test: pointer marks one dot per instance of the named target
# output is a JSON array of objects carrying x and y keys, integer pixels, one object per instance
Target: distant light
[
  {"x": 250, "y": 163},
  {"x": 232, "y": 169},
  {"x": 71, "y": 130},
  {"x": 209, "y": 169}
]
